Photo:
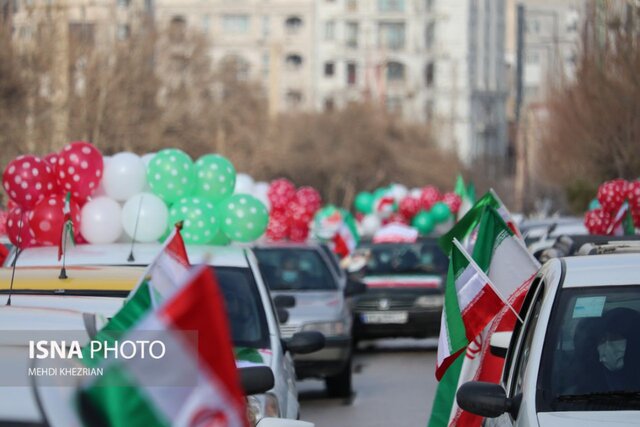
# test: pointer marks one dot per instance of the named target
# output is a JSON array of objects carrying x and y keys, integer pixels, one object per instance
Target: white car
[
  {"x": 254, "y": 322},
  {"x": 576, "y": 359}
]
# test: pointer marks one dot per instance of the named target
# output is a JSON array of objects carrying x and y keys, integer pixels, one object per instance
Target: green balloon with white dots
[
  {"x": 171, "y": 175},
  {"x": 198, "y": 216},
  {"x": 244, "y": 218},
  {"x": 215, "y": 177}
]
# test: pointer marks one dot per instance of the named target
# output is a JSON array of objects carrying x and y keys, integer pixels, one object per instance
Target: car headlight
[
  {"x": 328, "y": 329},
  {"x": 429, "y": 301},
  {"x": 262, "y": 406}
]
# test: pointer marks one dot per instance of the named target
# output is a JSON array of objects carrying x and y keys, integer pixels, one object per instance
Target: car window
[
  {"x": 295, "y": 269},
  {"x": 334, "y": 264},
  {"x": 405, "y": 258},
  {"x": 522, "y": 357},
  {"x": 591, "y": 355},
  {"x": 248, "y": 322}
]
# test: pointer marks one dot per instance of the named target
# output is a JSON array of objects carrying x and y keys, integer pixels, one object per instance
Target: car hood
[
  {"x": 406, "y": 281},
  {"x": 314, "y": 306},
  {"x": 588, "y": 418}
]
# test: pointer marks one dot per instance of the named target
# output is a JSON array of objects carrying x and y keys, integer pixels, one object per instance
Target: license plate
[{"x": 389, "y": 317}]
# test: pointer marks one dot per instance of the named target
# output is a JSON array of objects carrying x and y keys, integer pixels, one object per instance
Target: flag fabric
[
  {"x": 466, "y": 200},
  {"x": 128, "y": 394},
  {"x": 346, "y": 239},
  {"x": 470, "y": 304},
  {"x": 395, "y": 233},
  {"x": 622, "y": 224},
  {"x": 67, "y": 226}
]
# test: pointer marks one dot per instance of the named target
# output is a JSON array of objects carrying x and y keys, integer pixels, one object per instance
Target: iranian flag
[
  {"x": 130, "y": 393},
  {"x": 346, "y": 239}
]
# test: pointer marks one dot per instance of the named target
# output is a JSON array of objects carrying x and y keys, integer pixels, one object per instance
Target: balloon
[
  {"x": 395, "y": 218},
  {"x": 171, "y": 175},
  {"x": 260, "y": 192},
  {"x": 220, "y": 239},
  {"x": 380, "y": 192},
  {"x": 423, "y": 222},
  {"x": 245, "y": 218},
  {"x": 28, "y": 180},
  {"x": 100, "y": 220},
  {"x": 612, "y": 195},
  {"x": 278, "y": 226},
  {"x": 80, "y": 168},
  {"x": 200, "y": 224},
  {"x": 429, "y": 196},
  {"x": 52, "y": 159},
  {"x": 597, "y": 221},
  {"x": 440, "y": 212},
  {"x": 244, "y": 184},
  {"x": 124, "y": 176},
  {"x": 216, "y": 177},
  {"x": 281, "y": 193},
  {"x": 298, "y": 234},
  {"x": 384, "y": 206},
  {"x": 310, "y": 199},
  {"x": 633, "y": 195},
  {"x": 18, "y": 229},
  {"x": 149, "y": 212},
  {"x": 364, "y": 202},
  {"x": 370, "y": 224},
  {"x": 453, "y": 201},
  {"x": 146, "y": 158},
  {"x": 47, "y": 218},
  {"x": 415, "y": 193},
  {"x": 409, "y": 207},
  {"x": 398, "y": 192}
]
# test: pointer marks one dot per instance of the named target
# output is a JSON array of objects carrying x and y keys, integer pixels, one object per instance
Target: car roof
[
  {"x": 38, "y": 319},
  {"x": 79, "y": 278},
  {"x": 118, "y": 254},
  {"x": 287, "y": 245},
  {"x": 601, "y": 270}
]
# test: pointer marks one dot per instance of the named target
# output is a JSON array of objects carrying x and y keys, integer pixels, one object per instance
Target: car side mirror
[
  {"x": 283, "y": 315},
  {"x": 354, "y": 287},
  {"x": 499, "y": 343},
  {"x": 487, "y": 400},
  {"x": 256, "y": 379},
  {"x": 305, "y": 342},
  {"x": 284, "y": 301}
]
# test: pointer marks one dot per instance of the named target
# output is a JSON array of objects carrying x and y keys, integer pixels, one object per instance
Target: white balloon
[
  {"x": 399, "y": 192},
  {"x": 152, "y": 220},
  {"x": 370, "y": 224},
  {"x": 415, "y": 192},
  {"x": 146, "y": 159},
  {"x": 124, "y": 176},
  {"x": 260, "y": 192},
  {"x": 100, "y": 220},
  {"x": 100, "y": 189},
  {"x": 244, "y": 184}
]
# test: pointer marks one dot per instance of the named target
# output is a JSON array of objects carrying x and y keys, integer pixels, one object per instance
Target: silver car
[{"x": 304, "y": 279}]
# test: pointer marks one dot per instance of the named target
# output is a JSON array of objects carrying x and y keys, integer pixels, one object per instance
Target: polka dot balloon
[
  {"x": 612, "y": 195},
  {"x": 18, "y": 229},
  {"x": 47, "y": 218},
  {"x": 198, "y": 216},
  {"x": 79, "y": 169},
  {"x": 28, "y": 180},
  {"x": 216, "y": 177},
  {"x": 171, "y": 175},
  {"x": 245, "y": 218},
  {"x": 597, "y": 221}
]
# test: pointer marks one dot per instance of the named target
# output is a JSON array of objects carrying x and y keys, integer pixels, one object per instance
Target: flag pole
[
  {"x": 135, "y": 231},
  {"x": 485, "y": 277},
  {"x": 63, "y": 270}
]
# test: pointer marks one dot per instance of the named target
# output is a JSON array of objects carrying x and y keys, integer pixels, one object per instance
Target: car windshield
[
  {"x": 592, "y": 351},
  {"x": 245, "y": 311},
  {"x": 295, "y": 269},
  {"x": 404, "y": 258}
]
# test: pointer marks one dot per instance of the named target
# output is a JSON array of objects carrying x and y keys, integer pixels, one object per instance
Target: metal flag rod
[{"x": 135, "y": 231}]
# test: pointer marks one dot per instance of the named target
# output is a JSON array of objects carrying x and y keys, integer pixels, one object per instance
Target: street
[{"x": 394, "y": 385}]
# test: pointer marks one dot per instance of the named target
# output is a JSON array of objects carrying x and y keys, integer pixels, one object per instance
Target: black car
[{"x": 405, "y": 290}]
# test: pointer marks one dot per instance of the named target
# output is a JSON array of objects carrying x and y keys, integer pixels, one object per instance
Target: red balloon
[
  {"x": 633, "y": 195},
  {"x": 3, "y": 222},
  {"x": 612, "y": 194},
  {"x": 18, "y": 230},
  {"x": 309, "y": 198},
  {"x": 298, "y": 233},
  {"x": 79, "y": 169},
  {"x": 453, "y": 201},
  {"x": 278, "y": 227},
  {"x": 429, "y": 197},
  {"x": 281, "y": 192},
  {"x": 27, "y": 180},
  {"x": 52, "y": 159},
  {"x": 409, "y": 207},
  {"x": 597, "y": 221},
  {"x": 47, "y": 218}
]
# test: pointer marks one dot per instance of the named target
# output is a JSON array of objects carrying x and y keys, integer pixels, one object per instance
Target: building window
[
  {"x": 124, "y": 3},
  {"x": 265, "y": 64},
  {"x": 532, "y": 26},
  {"x": 352, "y": 34},
  {"x": 430, "y": 35},
  {"x": 352, "y": 5},
  {"x": 329, "y": 69},
  {"x": 293, "y": 24},
  {"x": 391, "y": 5},
  {"x": 265, "y": 26},
  {"x": 79, "y": 32},
  {"x": 428, "y": 5},
  {"x": 123, "y": 31},
  {"x": 236, "y": 24},
  {"x": 532, "y": 57},
  {"x": 429, "y": 74},
  {"x": 391, "y": 35},
  {"x": 351, "y": 73},
  {"x": 206, "y": 23},
  {"x": 329, "y": 30},
  {"x": 293, "y": 61},
  {"x": 329, "y": 104},
  {"x": 294, "y": 98},
  {"x": 236, "y": 66},
  {"x": 395, "y": 71},
  {"x": 177, "y": 28},
  {"x": 394, "y": 104}
]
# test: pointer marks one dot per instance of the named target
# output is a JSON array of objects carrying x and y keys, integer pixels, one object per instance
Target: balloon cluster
[
  {"x": 125, "y": 196},
  {"x": 292, "y": 210},
  {"x": 616, "y": 208},
  {"x": 336, "y": 227},
  {"x": 422, "y": 208}
]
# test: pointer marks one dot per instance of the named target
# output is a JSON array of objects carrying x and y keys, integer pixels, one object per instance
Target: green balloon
[
  {"x": 364, "y": 202},
  {"x": 216, "y": 177},
  {"x": 171, "y": 175},
  {"x": 440, "y": 212},
  {"x": 245, "y": 218},
  {"x": 423, "y": 222},
  {"x": 594, "y": 204},
  {"x": 199, "y": 225},
  {"x": 220, "y": 239},
  {"x": 380, "y": 192}
]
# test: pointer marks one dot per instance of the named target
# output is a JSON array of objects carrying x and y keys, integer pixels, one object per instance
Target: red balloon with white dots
[{"x": 79, "y": 169}]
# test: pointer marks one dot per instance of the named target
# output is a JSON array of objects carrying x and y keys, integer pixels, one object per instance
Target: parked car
[
  {"x": 319, "y": 300},
  {"x": 253, "y": 317},
  {"x": 575, "y": 361},
  {"x": 405, "y": 294}
]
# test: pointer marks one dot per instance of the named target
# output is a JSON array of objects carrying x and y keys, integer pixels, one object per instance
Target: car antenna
[
  {"x": 135, "y": 231},
  {"x": 13, "y": 274}
]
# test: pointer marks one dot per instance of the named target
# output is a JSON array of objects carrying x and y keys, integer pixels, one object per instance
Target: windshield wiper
[{"x": 634, "y": 395}]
